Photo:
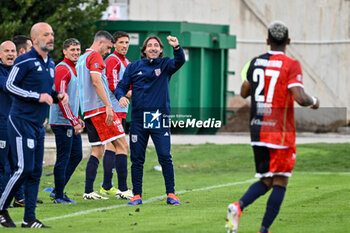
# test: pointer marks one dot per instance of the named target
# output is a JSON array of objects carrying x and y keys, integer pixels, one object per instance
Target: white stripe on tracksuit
[
  {"x": 16, "y": 90},
  {"x": 66, "y": 108},
  {"x": 18, "y": 173}
]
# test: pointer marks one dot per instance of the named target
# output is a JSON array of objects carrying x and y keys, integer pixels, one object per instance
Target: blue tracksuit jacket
[
  {"x": 5, "y": 98},
  {"x": 150, "y": 84},
  {"x": 150, "y": 92},
  {"x": 29, "y": 77},
  {"x": 27, "y": 91},
  {"x": 5, "y": 103}
]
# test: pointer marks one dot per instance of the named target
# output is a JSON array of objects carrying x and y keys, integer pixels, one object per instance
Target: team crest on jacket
[
  {"x": 157, "y": 71},
  {"x": 2, "y": 144},
  {"x": 30, "y": 143}
]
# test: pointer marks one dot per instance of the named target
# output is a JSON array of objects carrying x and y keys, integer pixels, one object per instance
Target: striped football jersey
[{"x": 271, "y": 75}]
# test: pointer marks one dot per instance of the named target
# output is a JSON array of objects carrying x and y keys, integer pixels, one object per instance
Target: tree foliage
[{"x": 68, "y": 18}]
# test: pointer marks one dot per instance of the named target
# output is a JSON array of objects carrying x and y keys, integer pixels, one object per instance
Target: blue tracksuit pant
[
  {"x": 27, "y": 151},
  {"x": 68, "y": 156},
  {"x": 5, "y": 174},
  {"x": 5, "y": 156},
  {"x": 138, "y": 143}
]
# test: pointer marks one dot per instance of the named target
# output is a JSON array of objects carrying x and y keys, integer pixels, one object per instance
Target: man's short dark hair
[
  {"x": 69, "y": 42},
  {"x": 103, "y": 35},
  {"x": 20, "y": 41},
  {"x": 143, "y": 48},
  {"x": 119, "y": 34},
  {"x": 278, "y": 33}
]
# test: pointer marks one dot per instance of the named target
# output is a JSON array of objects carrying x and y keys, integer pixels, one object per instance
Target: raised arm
[{"x": 179, "y": 56}]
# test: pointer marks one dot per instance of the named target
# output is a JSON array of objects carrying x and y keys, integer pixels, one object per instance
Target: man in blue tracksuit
[
  {"x": 30, "y": 82},
  {"x": 149, "y": 78},
  {"x": 8, "y": 55}
]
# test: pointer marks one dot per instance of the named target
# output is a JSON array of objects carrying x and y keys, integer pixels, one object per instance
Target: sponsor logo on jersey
[
  {"x": 166, "y": 134},
  {"x": 39, "y": 68},
  {"x": 263, "y": 109},
  {"x": 96, "y": 65},
  {"x": 259, "y": 122},
  {"x": 300, "y": 77},
  {"x": 139, "y": 73}
]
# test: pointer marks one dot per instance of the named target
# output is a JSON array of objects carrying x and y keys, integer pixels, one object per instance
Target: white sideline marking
[
  {"x": 323, "y": 173},
  {"x": 152, "y": 199}
]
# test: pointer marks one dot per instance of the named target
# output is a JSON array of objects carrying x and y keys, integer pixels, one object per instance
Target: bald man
[
  {"x": 30, "y": 83},
  {"x": 8, "y": 55}
]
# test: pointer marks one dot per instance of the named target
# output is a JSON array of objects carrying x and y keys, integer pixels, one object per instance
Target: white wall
[{"x": 311, "y": 23}]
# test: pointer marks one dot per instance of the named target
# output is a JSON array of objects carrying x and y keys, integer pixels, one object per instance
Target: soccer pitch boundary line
[
  {"x": 152, "y": 199},
  {"x": 322, "y": 173}
]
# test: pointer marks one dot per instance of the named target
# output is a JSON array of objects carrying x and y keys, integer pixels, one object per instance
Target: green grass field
[{"x": 208, "y": 178}]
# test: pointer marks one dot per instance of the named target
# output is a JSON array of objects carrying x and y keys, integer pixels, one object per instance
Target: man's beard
[{"x": 44, "y": 47}]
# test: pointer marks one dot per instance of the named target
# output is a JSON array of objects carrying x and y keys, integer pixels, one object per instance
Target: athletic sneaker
[
  {"x": 172, "y": 199},
  {"x": 39, "y": 201},
  {"x": 268, "y": 232},
  {"x": 112, "y": 191},
  {"x": 65, "y": 197},
  {"x": 61, "y": 200},
  {"x": 136, "y": 200},
  {"x": 5, "y": 219},
  {"x": 93, "y": 196},
  {"x": 18, "y": 203},
  {"x": 34, "y": 224},
  {"x": 124, "y": 195},
  {"x": 233, "y": 214}
]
